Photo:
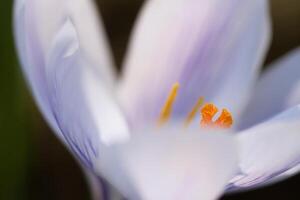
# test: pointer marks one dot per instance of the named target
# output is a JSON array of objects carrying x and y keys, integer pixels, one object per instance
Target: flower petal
[
  {"x": 85, "y": 112},
  {"x": 67, "y": 83},
  {"x": 171, "y": 164},
  {"x": 269, "y": 151},
  {"x": 37, "y": 23},
  {"x": 32, "y": 58},
  {"x": 212, "y": 48},
  {"x": 279, "y": 85}
]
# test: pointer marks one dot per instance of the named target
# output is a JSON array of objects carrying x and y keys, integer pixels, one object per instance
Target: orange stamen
[
  {"x": 168, "y": 106},
  {"x": 225, "y": 120},
  {"x": 191, "y": 116},
  {"x": 209, "y": 111}
]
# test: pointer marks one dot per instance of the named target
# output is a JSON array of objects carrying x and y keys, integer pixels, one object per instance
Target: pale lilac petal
[
  {"x": 171, "y": 163},
  {"x": 32, "y": 58},
  {"x": 101, "y": 189},
  {"x": 37, "y": 22},
  {"x": 89, "y": 27},
  {"x": 67, "y": 83},
  {"x": 277, "y": 90},
  {"x": 84, "y": 110},
  {"x": 212, "y": 48},
  {"x": 270, "y": 151}
]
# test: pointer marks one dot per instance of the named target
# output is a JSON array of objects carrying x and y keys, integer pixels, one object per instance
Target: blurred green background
[{"x": 33, "y": 163}]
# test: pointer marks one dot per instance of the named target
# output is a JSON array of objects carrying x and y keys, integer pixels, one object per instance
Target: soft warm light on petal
[
  {"x": 212, "y": 48},
  {"x": 277, "y": 90},
  {"x": 269, "y": 151},
  {"x": 171, "y": 163}
]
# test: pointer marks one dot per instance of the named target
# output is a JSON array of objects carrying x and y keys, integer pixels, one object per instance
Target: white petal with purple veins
[
  {"x": 83, "y": 108},
  {"x": 171, "y": 163},
  {"x": 277, "y": 90},
  {"x": 67, "y": 82},
  {"x": 32, "y": 57},
  {"x": 87, "y": 22},
  {"x": 269, "y": 151},
  {"x": 212, "y": 48},
  {"x": 36, "y": 24}
]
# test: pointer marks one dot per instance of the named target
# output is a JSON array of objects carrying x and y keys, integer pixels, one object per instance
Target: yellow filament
[
  {"x": 193, "y": 113},
  {"x": 208, "y": 111},
  {"x": 168, "y": 107}
]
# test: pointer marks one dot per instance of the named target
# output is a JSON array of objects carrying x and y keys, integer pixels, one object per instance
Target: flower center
[{"x": 208, "y": 111}]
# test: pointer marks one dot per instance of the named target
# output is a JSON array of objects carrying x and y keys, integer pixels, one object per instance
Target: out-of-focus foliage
[
  {"x": 286, "y": 27},
  {"x": 13, "y": 118}
]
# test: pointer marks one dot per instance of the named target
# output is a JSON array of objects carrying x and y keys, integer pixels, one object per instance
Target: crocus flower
[{"x": 147, "y": 132}]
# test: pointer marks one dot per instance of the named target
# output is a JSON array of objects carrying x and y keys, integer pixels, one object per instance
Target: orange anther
[
  {"x": 209, "y": 111},
  {"x": 225, "y": 120}
]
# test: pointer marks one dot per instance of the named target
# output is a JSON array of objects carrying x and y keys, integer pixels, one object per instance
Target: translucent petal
[
  {"x": 38, "y": 21},
  {"x": 270, "y": 151},
  {"x": 171, "y": 163},
  {"x": 68, "y": 84},
  {"x": 85, "y": 111},
  {"x": 277, "y": 90},
  {"x": 212, "y": 48}
]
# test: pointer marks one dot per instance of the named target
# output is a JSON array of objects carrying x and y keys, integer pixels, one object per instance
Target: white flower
[{"x": 209, "y": 48}]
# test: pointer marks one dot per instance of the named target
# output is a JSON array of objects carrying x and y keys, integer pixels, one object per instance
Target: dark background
[{"x": 34, "y": 164}]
